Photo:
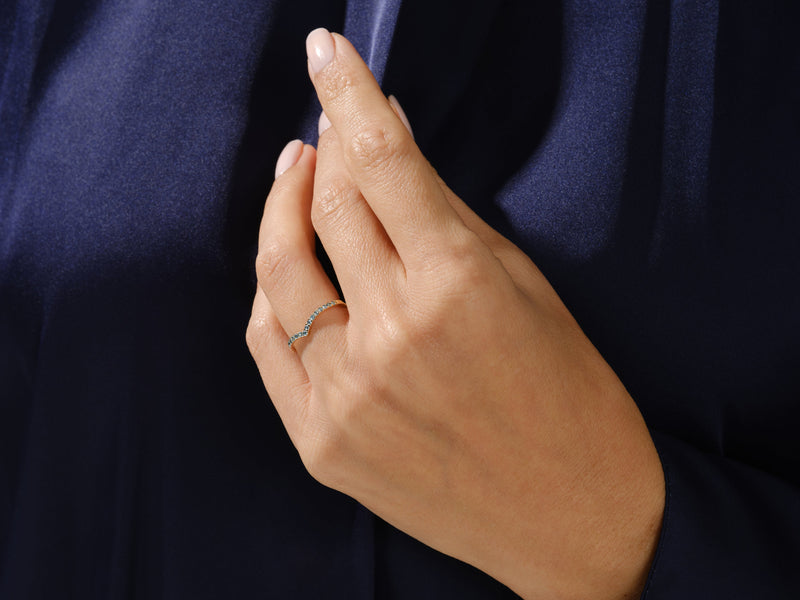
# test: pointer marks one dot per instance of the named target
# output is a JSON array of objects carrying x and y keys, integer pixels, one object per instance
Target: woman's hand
[{"x": 455, "y": 396}]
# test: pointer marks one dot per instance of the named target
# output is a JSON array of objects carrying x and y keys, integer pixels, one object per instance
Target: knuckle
[
  {"x": 254, "y": 334},
  {"x": 425, "y": 332},
  {"x": 467, "y": 265},
  {"x": 387, "y": 346},
  {"x": 473, "y": 276},
  {"x": 334, "y": 83},
  {"x": 329, "y": 203},
  {"x": 275, "y": 264},
  {"x": 375, "y": 149},
  {"x": 463, "y": 269}
]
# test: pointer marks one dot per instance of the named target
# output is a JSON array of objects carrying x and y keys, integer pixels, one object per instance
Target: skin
[{"x": 455, "y": 396}]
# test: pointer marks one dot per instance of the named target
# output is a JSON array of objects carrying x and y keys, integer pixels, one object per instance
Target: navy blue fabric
[{"x": 644, "y": 154}]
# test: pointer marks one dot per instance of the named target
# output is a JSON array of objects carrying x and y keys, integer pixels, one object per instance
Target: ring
[{"x": 314, "y": 315}]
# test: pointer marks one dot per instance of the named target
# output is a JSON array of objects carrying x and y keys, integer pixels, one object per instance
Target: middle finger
[{"x": 363, "y": 257}]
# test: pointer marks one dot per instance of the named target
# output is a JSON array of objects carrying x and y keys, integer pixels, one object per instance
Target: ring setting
[{"x": 314, "y": 315}]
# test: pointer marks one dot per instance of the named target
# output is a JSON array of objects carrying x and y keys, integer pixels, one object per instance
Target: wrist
[{"x": 598, "y": 544}]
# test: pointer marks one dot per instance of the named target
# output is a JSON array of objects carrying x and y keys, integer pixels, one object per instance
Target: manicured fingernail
[
  {"x": 289, "y": 157},
  {"x": 401, "y": 113},
  {"x": 324, "y": 123},
  {"x": 320, "y": 49}
]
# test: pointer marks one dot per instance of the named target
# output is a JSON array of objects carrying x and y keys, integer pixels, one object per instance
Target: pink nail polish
[
  {"x": 401, "y": 113},
  {"x": 320, "y": 49},
  {"x": 324, "y": 123},
  {"x": 289, "y": 157}
]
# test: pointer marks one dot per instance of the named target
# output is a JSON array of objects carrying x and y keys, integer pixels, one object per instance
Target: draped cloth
[{"x": 644, "y": 154}]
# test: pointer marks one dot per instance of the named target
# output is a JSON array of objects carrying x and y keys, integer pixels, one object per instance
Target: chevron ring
[{"x": 314, "y": 315}]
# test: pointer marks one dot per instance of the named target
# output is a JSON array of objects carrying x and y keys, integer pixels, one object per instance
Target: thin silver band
[{"x": 314, "y": 315}]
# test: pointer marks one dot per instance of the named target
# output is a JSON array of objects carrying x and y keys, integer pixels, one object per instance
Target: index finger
[{"x": 381, "y": 156}]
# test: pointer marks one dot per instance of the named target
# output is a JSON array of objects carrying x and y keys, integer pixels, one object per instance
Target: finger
[
  {"x": 295, "y": 153},
  {"x": 282, "y": 372},
  {"x": 523, "y": 271},
  {"x": 361, "y": 253},
  {"x": 391, "y": 172},
  {"x": 288, "y": 271}
]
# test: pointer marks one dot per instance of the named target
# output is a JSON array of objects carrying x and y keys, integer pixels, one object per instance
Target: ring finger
[{"x": 288, "y": 271}]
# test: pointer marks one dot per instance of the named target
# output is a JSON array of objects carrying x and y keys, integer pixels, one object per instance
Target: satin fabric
[{"x": 644, "y": 154}]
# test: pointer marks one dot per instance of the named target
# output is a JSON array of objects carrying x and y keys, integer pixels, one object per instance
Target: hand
[{"x": 455, "y": 396}]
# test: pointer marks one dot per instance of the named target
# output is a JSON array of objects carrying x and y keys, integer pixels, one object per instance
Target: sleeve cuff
[{"x": 729, "y": 530}]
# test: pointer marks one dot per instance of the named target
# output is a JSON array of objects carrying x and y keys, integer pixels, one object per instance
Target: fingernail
[
  {"x": 401, "y": 113},
  {"x": 289, "y": 157},
  {"x": 320, "y": 49},
  {"x": 324, "y": 123}
]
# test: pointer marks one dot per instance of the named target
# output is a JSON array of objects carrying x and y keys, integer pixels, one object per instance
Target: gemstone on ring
[{"x": 314, "y": 315}]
